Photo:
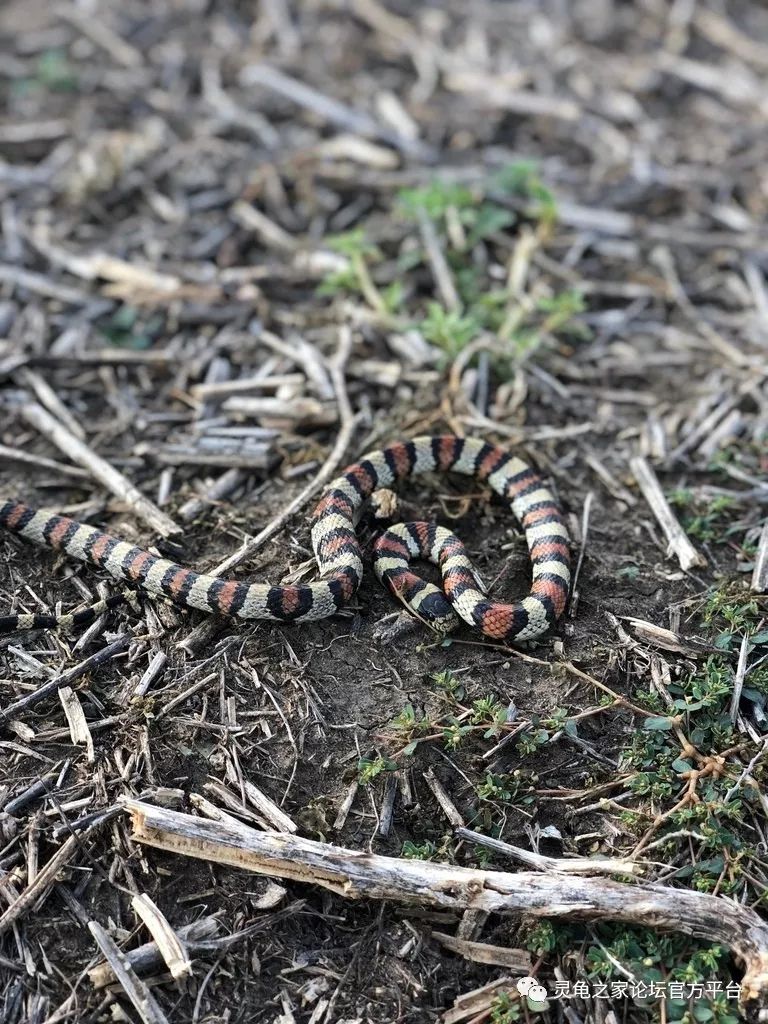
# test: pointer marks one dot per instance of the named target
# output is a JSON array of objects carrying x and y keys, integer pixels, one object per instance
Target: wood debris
[{"x": 357, "y": 875}]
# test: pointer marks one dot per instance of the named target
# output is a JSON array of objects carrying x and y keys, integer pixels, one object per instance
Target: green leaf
[
  {"x": 702, "y": 1012},
  {"x": 759, "y": 638},
  {"x": 489, "y": 220},
  {"x": 630, "y": 572},
  {"x": 353, "y": 243},
  {"x": 684, "y": 705},
  {"x": 657, "y": 724},
  {"x": 434, "y": 199},
  {"x": 681, "y": 765}
]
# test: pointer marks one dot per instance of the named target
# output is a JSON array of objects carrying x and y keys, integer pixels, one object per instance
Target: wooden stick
[
  {"x": 567, "y": 865},
  {"x": 169, "y": 943},
  {"x": 148, "y": 956},
  {"x": 678, "y": 542},
  {"x": 517, "y": 960},
  {"x": 27, "y": 458},
  {"x": 78, "y": 725},
  {"x": 267, "y": 808},
  {"x": 358, "y": 875},
  {"x": 139, "y": 994},
  {"x": 44, "y": 878},
  {"x": 348, "y": 424},
  {"x": 48, "y": 398},
  {"x": 760, "y": 573},
  {"x": 48, "y": 689},
  {"x": 99, "y": 468}
]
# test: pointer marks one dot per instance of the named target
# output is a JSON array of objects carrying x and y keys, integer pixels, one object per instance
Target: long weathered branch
[{"x": 367, "y": 876}]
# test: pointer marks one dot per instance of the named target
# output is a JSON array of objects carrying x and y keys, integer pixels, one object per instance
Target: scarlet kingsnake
[{"x": 339, "y": 554}]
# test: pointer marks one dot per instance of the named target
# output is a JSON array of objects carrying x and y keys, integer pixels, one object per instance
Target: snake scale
[{"x": 339, "y": 555}]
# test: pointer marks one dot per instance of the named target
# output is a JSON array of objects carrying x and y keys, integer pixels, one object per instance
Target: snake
[{"x": 339, "y": 554}]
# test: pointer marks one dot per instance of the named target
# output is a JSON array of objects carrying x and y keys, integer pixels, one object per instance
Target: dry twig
[{"x": 360, "y": 875}]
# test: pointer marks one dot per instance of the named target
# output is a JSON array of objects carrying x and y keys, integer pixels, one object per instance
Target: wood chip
[
  {"x": 759, "y": 581},
  {"x": 138, "y": 993},
  {"x": 678, "y": 542},
  {"x": 518, "y": 960},
  {"x": 99, "y": 468},
  {"x": 266, "y": 807},
  {"x": 169, "y": 942},
  {"x": 448, "y": 807},
  {"x": 78, "y": 726}
]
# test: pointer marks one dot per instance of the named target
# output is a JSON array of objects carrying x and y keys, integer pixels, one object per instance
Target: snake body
[{"x": 338, "y": 551}]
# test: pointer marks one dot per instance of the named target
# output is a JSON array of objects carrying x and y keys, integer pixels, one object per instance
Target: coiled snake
[{"x": 339, "y": 555}]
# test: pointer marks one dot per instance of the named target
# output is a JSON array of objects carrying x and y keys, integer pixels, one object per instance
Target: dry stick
[
  {"x": 50, "y": 400},
  {"x": 45, "y": 877},
  {"x": 739, "y": 677},
  {"x": 357, "y": 875},
  {"x": 78, "y": 725},
  {"x": 107, "y": 475},
  {"x": 118, "y": 49},
  {"x": 760, "y": 574},
  {"x": 139, "y": 994},
  {"x": 267, "y": 808},
  {"x": 348, "y": 424},
  {"x": 169, "y": 942},
  {"x": 565, "y": 865},
  {"x": 679, "y": 544},
  {"x": 328, "y": 108},
  {"x": 47, "y": 689},
  {"x": 583, "y": 549},
  {"x": 17, "y": 455},
  {"x": 447, "y": 806},
  {"x": 39, "y": 283},
  {"x": 148, "y": 956},
  {"x": 437, "y": 261},
  {"x": 517, "y": 960},
  {"x": 210, "y": 494}
]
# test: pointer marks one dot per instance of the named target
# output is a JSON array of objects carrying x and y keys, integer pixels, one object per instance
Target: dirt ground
[{"x": 541, "y": 224}]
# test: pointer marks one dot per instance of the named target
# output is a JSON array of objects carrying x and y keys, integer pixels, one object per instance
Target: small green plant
[
  {"x": 560, "y": 309},
  {"x": 448, "y": 329},
  {"x": 706, "y": 521},
  {"x": 370, "y": 768},
  {"x": 531, "y": 740},
  {"x": 419, "y": 851},
  {"x": 488, "y": 711},
  {"x": 560, "y": 721},
  {"x": 469, "y": 223},
  {"x": 451, "y": 684},
  {"x": 629, "y": 572},
  {"x": 435, "y": 200},
  {"x": 494, "y": 787},
  {"x": 357, "y": 276},
  {"x": 522, "y": 179},
  {"x": 541, "y": 938},
  {"x": 54, "y": 73},
  {"x": 505, "y": 1009},
  {"x": 126, "y": 328},
  {"x": 354, "y": 244},
  {"x": 664, "y": 961},
  {"x": 454, "y": 733},
  {"x": 406, "y": 721}
]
